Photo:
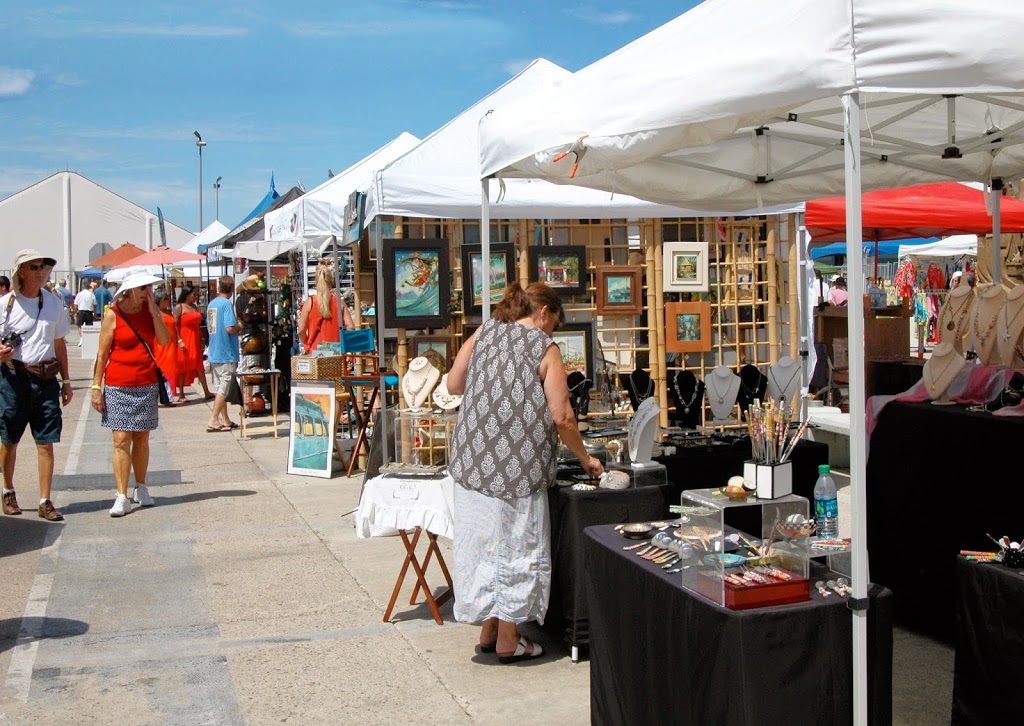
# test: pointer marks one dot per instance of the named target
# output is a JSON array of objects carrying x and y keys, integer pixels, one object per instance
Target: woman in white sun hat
[{"x": 125, "y": 386}]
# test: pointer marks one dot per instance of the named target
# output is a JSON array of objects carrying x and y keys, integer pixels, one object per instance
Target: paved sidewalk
[{"x": 244, "y": 596}]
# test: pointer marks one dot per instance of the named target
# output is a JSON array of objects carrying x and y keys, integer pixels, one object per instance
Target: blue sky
[{"x": 114, "y": 90}]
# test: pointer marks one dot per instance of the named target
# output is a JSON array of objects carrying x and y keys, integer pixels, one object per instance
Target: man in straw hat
[{"x": 33, "y": 325}]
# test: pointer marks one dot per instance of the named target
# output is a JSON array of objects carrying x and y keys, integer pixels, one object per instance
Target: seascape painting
[
  {"x": 498, "y": 278},
  {"x": 619, "y": 290},
  {"x": 416, "y": 283}
]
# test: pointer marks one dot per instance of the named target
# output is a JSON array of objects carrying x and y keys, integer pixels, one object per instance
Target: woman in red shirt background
[
  {"x": 125, "y": 384},
  {"x": 318, "y": 323},
  {"x": 190, "y": 353},
  {"x": 167, "y": 355}
]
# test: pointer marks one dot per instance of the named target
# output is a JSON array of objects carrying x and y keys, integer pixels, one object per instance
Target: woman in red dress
[
  {"x": 190, "y": 355},
  {"x": 167, "y": 355}
]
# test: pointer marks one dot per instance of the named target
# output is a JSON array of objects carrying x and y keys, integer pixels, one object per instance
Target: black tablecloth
[
  {"x": 989, "y": 644},
  {"x": 938, "y": 479},
  {"x": 689, "y": 468},
  {"x": 660, "y": 654}
]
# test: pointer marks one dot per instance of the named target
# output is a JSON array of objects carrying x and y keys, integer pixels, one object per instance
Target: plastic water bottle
[{"x": 826, "y": 504}]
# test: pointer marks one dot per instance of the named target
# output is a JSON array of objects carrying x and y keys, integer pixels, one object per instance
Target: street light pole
[
  {"x": 216, "y": 193},
  {"x": 200, "y": 143}
]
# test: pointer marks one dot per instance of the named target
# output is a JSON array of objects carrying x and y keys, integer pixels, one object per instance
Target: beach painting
[
  {"x": 500, "y": 272},
  {"x": 574, "y": 343},
  {"x": 498, "y": 278},
  {"x": 310, "y": 437},
  {"x": 416, "y": 283}
]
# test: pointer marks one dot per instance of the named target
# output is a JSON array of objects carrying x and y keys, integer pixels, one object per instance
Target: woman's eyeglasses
[{"x": 37, "y": 268}]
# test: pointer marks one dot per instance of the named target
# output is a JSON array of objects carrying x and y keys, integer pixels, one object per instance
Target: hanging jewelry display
[
  {"x": 1011, "y": 326},
  {"x": 753, "y": 384},
  {"x": 990, "y": 303},
  {"x": 688, "y": 406},
  {"x": 941, "y": 369},
  {"x": 778, "y": 381},
  {"x": 721, "y": 387}
]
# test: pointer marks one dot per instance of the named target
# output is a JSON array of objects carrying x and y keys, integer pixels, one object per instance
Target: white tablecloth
[{"x": 390, "y": 504}]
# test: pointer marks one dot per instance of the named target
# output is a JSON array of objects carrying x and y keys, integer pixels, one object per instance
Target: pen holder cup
[{"x": 771, "y": 480}]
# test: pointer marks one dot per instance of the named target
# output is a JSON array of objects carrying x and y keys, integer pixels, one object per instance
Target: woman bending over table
[{"x": 516, "y": 407}]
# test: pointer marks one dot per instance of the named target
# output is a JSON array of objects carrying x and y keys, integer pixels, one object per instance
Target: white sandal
[{"x": 521, "y": 653}]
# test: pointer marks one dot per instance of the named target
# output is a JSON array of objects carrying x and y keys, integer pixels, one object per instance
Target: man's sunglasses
[{"x": 37, "y": 268}]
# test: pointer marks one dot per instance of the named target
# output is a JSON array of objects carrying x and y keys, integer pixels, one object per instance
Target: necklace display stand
[
  {"x": 443, "y": 399},
  {"x": 941, "y": 370},
  {"x": 955, "y": 316},
  {"x": 687, "y": 392},
  {"x": 988, "y": 309},
  {"x": 1010, "y": 328},
  {"x": 722, "y": 386},
  {"x": 418, "y": 382},
  {"x": 753, "y": 384},
  {"x": 783, "y": 381},
  {"x": 639, "y": 386}
]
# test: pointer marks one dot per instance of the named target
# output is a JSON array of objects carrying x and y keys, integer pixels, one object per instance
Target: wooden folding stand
[{"x": 421, "y": 580}]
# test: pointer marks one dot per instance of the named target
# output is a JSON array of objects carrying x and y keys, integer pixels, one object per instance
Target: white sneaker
[
  {"x": 141, "y": 496},
  {"x": 122, "y": 506}
]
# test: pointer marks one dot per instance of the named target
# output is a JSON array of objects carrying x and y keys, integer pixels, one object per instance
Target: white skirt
[{"x": 502, "y": 553}]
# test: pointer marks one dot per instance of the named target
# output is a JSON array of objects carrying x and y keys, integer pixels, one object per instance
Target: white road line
[
  {"x": 23, "y": 656},
  {"x": 71, "y": 465}
]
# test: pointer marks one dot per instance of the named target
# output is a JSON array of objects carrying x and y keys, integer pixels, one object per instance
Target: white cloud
[
  {"x": 15, "y": 81},
  {"x": 68, "y": 79},
  {"x": 601, "y": 17}
]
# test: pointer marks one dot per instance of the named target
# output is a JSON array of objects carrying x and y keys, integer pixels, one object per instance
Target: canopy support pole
[
  {"x": 378, "y": 316},
  {"x": 485, "y": 253},
  {"x": 997, "y": 230},
  {"x": 858, "y": 459}
]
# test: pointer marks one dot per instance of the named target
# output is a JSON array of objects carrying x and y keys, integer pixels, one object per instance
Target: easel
[{"x": 421, "y": 580}]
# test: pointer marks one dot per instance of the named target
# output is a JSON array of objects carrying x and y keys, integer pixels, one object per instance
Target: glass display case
[
  {"x": 730, "y": 565},
  {"x": 417, "y": 442}
]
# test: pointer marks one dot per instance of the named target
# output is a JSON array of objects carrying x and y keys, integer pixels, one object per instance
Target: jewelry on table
[
  {"x": 983, "y": 336},
  {"x": 636, "y": 393},
  {"x": 954, "y": 321},
  {"x": 1009, "y": 323},
  {"x": 783, "y": 391},
  {"x": 752, "y": 392},
  {"x": 938, "y": 376}
]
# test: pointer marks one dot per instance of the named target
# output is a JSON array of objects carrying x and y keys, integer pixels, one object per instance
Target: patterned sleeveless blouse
[{"x": 505, "y": 443}]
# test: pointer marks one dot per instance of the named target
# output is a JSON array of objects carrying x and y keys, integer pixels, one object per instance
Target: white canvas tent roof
[
  {"x": 809, "y": 98},
  {"x": 958, "y": 245},
  {"x": 213, "y": 232},
  {"x": 672, "y": 118},
  {"x": 440, "y": 177},
  {"x": 317, "y": 214}
]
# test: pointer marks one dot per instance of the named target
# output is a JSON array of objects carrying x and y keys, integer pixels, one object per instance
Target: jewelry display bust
[
  {"x": 722, "y": 387},
  {"x": 941, "y": 370},
  {"x": 988, "y": 308},
  {"x": 1009, "y": 329},
  {"x": 444, "y": 400},
  {"x": 639, "y": 386},
  {"x": 418, "y": 382},
  {"x": 753, "y": 385},
  {"x": 687, "y": 392},
  {"x": 783, "y": 380},
  {"x": 955, "y": 316}
]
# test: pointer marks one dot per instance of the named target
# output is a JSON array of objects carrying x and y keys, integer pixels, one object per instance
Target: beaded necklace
[
  {"x": 636, "y": 393},
  {"x": 954, "y": 322},
  {"x": 980, "y": 335},
  {"x": 679, "y": 394}
]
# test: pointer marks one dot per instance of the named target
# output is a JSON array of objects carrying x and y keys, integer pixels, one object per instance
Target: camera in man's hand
[{"x": 11, "y": 340}]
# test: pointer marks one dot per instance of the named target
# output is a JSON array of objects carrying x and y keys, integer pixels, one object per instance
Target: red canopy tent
[{"x": 925, "y": 210}]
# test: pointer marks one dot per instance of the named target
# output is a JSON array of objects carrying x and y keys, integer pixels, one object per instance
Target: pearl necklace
[
  {"x": 679, "y": 394},
  {"x": 413, "y": 391}
]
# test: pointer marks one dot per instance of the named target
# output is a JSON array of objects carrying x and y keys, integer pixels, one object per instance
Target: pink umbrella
[{"x": 162, "y": 256}]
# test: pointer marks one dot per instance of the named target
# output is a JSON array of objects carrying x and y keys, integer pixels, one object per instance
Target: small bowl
[
  {"x": 637, "y": 530},
  {"x": 736, "y": 495},
  {"x": 725, "y": 560}
]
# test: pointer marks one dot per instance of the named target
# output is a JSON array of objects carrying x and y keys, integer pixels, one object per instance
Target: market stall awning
[
  {"x": 115, "y": 257},
  {"x": 925, "y": 210}
]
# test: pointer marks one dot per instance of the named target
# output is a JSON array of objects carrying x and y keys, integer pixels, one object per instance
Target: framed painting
[
  {"x": 563, "y": 267},
  {"x": 501, "y": 272},
  {"x": 420, "y": 344},
  {"x": 687, "y": 327},
  {"x": 354, "y": 216},
  {"x": 575, "y": 342},
  {"x": 686, "y": 266},
  {"x": 368, "y": 242},
  {"x": 619, "y": 290},
  {"x": 311, "y": 433},
  {"x": 416, "y": 283}
]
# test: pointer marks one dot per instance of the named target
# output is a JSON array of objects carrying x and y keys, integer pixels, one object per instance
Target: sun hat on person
[
  {"x": 28, "y": 255},
  {"x": 958, "y": 273},
  {"x": 252, "y": 282},
  {"x": 137, "y": 276}
]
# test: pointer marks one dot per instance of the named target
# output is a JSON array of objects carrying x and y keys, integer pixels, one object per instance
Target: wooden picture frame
[
  {"x": 367, "y": 241},
  {"x": 686, "y": 266},
  {"x": 311, "y": 428},
  {"x": 420, "y": 344},
  {"x": 416, "y": 283},
  {"x": 576, "y": 343},
  {"x": 619, "y": 290},
  {"x": 503, "y": 267},
  {"x": 563, "y": 267},
  {"x": 688, "y": 327}
]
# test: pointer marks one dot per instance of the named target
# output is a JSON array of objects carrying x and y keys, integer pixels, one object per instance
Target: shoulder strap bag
[{"x": 164, "y": 389}]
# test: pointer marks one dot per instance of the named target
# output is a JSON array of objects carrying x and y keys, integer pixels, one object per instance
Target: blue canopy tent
[
  {"x": 885, "y": 249},
  {"x": 91, "y": 273}
]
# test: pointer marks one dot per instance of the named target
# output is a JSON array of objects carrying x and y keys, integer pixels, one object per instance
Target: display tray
[{"x": 756, "y": 596}]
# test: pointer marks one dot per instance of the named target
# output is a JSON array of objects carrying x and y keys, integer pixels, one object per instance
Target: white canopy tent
[
  {"x": 440, "y": 176},
  {"x": 813, "y": 97},
  {"x": 317, "y": 215},
  {"x": 958, "y": 245}
]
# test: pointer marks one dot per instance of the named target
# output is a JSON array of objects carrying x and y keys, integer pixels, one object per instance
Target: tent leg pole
[
  {"x": 858, "y": 461},
  {"x": 485, "y": 250}
]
